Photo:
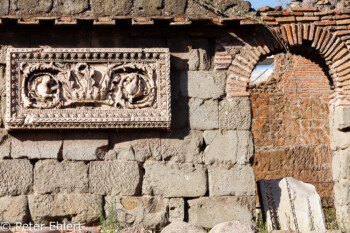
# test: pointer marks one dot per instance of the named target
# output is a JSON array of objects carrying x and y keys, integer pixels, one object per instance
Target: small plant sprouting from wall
[{"x": 109, "y": 224}]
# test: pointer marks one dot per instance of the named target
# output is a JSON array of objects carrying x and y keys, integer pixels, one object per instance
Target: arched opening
[{"x": 290, "y": 123}]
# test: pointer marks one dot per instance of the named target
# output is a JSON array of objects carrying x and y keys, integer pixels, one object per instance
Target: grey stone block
[
  {"x": 148, "y": 212},
  {"x": 235, "y": 114},
  {"x": 203, "y": 84},
  {"x": 182, "y": 146},
  {"x": 137, "y": 145},
  {"x": 176, "y": 210},
  {"x": 233, "y": 147},
  {"x": 204, "y": 114},
  {"x": 339, "y": 139},
  {"x": 85, "y": 146},
  {"x": 80, "y": 208},
  {"x": 111, "y": 7},
  {"x": 183, "y": 227},
  {"x": 174, "y": 180},
  {"x": 341, "y": 164},
  {"x": 13, "y": 209},
  {"x": 69, "y": 7},
  {"x": 175, "y": 7},
  {"x": 341, "y": 192},
  {"x": 5, "y": 144},
  {"x": 114, "y": 178},
  {"x": 16, "y": 177},
  {"x": 342, "y": 117},
  {"x": 4, "y": 7},
  {"x": 210, "y": 135},
  {"x": 29, "y": 7},
  {"x": 51, "y": 176},
  {"x": 147, "y": 8},
  {"x": 31, "y": 145},
  {"x": 210, "y": 211},
  {"x": 231, "y": 182}
]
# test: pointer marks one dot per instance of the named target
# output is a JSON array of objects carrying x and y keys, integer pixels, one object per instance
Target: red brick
[
  {"x": 306, "y": 31},
  {"x": 266, "y": 18},
  {"x": 340, "y": 54},
  {"x": 317, "y": 34},
  {"x": 304, "y": 8},
  {"x": 341, "y": 17},
  {"x": 237, "y": 94},
  {"x": 308, "y": 18},
  {"x": 300, "y": 33},
  {"x": 285, "y": 19},
  {"x": 324, "y": 44},
  {"x": 320, "y": 41},
  {"x": 312, "y": 31},
  {"x": 325, "y": 23},
  {"x": 345, "y": 21}
]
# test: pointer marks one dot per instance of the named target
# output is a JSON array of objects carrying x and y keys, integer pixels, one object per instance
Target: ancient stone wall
[{"x": 291, "y": 127}]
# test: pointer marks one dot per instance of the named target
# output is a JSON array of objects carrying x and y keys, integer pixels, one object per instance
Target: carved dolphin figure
[{"x": 43, "y": 89}]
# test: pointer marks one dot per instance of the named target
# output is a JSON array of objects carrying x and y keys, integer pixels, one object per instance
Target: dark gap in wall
[
  {"x": 142, "y": 174},
  {"x": 33, "y": 161},
  {"x": 60, "y": 154},
  {"x": 203, "y": 146}
]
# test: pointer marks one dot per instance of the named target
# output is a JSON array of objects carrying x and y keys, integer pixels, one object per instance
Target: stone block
[
  {"x": 176, "y": 210},
  {"x": 51, "y": 176},
  {"x": 341, "y": 191},
  {"x": 194, "y": 9},
  {"x": 111, "y": 7},
  {"x": 175, "y": 7},
  {"x": 339, "y": 139},
  {"x": 210, "y": 211},
  {"x": 4, "y": 7},
  {"x": 233, "y": 227},
  {"x": 210, "y": 135},
  {"x": 296, "y": 205},
  {"x": 85, "y": 146},
  {"x": 183, "y": 227},
  {"x": 16, "y": 177},
  {"x": 32, "y": 145},
  {"x": 5, "y": 144},
  {"x": 13, "y": 209},
  {"x": 235, "y": 114},
  {"x": 204, "y": 114},
  {"x": 229, "y": 182},
  {"x": 30, "y": 7},
  {"x": 114, "y": 178},
  {"x": 69, "y": 7},
  {"x": 148, "y": 8},
  {"x": 73, "y": 208},
  {"x": 198, "y": 58},
  {"x": 148, "y": 212},
  {"x": 232, "y": 147},
  {"x": 174, "y": 180},
  {"x": 136, "y": 145},
  {"x": 341, "y": 164},
  {"x": 182, "y": 146},
  {"x": 134, "y": 230},
  {"x": 203, "y": 84},
  {"x": 342, "y": 117}
]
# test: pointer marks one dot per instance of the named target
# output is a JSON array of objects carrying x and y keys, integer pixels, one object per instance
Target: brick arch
[{"x": 328, "y": 44}]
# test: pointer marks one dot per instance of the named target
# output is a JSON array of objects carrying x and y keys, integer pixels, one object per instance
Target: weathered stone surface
[
  {"x": 341, "y": 164},
  {"x": 343, "y": 216},
  {"x": 341, "y": 117},
  {"x": 16, "y": 177},
  {"x": 114, "y": 177},
  {"x": 5, "y": 144},
  {"x": 13, "y": 209},
  {"x": 174, "y": 180},
  {"x": 176, "y": 209},
  {"x": 85, "y": 147},
  {"x": 4, "y": 7},
  {"x": 134, "y": 230},
  {"x": 232, "y": 147},
  {"x": 210, "y": 135},
  {"x": 210, "y": 211},
  {"x": 223, "y": 182},
  {"x": 175, "y": 7},
  {"x": 146, "y": 8},
  {"x": 203, "y": 84},
  {"x": 233, "y": 227},
  {"x": 342, "y": 193},
  {"x": 136, "y": 145},
  {"x": 198, "y": 58},
  {"x": 111, "y": 7},
  {"x": 183, "y": 227},
  {"x": 194, "y": 9},
  {"x": 32, "y": 6},
  {"x": 339, "y": 139},
  {"x": 182, "y": 146},
  {"x": 69, "y": 7},
  {"x": 235, "y": 114},
  {"x": 296, "y": 205},
  {"x": 36, "y": 146},
  {"x": 75, "y": 208},
  {"x": 148, "y": 212},
  {"x": 193, "y": 59},
  {"x": 204, "y": 114},
  {"x": 51, "y": 176}
]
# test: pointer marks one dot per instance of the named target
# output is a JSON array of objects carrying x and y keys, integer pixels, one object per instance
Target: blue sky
[{"x": 259, "y": 3}]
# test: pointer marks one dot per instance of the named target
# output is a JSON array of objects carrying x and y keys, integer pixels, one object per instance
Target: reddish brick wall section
[{"x": 290, "y": 126}]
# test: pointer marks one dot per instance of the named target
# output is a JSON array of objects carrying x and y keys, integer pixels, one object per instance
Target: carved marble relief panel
[{"x": 88, "y": 88}]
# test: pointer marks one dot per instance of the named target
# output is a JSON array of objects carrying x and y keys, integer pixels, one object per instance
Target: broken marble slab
[{"x": 289, "y": 204}]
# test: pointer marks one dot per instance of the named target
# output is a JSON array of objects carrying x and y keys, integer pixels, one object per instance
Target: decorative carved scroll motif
[{"x": 88, "y": 88}]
